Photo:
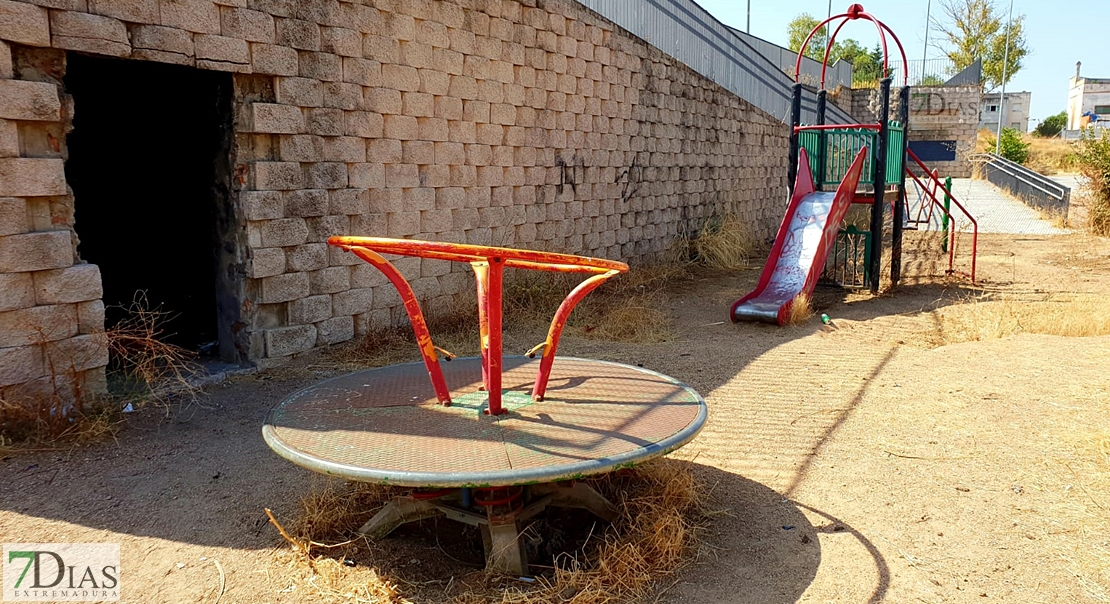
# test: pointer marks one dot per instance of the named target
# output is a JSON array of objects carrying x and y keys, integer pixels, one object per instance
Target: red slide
[{"x": 798, "y": 257}]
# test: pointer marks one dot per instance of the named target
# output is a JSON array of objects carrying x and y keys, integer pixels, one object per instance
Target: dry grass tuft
[
  {"x": 661, "y": 510},
  {"x": 724, "y": 242},
  {"x": 984, "y": 318},
  {"x": 1050, "y": 155},
  {"x": 801, "y": 310}
]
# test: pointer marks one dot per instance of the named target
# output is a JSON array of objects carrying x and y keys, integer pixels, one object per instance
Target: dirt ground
[{"x": 857, "y": 462}]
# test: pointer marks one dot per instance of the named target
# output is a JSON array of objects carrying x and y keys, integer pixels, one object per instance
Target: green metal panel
[{"x": 843, "y": 144}]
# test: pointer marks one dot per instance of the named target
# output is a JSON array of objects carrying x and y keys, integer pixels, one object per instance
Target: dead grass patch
[
  {"x": 801, "y": 310},
  {"x": 661, "y": 509},
  {"x": 986, "y": 318},
  {"x": 723, "y": 242},
  {"x": 1050, "y": 156}
]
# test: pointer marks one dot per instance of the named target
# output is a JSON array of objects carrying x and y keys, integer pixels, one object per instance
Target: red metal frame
[
  {"x": 489, "y": 264},
  {"x": 855, "y": 11},
  {"x": 936, "y": 202}
]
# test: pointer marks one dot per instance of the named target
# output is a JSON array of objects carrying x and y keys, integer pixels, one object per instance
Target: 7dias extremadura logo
[{"x": 61, "y": 572}]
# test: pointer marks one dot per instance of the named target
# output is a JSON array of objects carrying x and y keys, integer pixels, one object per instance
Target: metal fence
[
  {"x": 837, "y": 74},
  {"x": 931, "y": 72},
  {"x": 685, "y": 31},
  {"x": 1034, "y": 189}
]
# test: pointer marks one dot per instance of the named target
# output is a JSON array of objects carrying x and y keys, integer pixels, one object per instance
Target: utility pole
[
  {"x": 925, "y": 53},
  {"x": 1002, "y": 96},
  {"x": 749, "y": 29}
]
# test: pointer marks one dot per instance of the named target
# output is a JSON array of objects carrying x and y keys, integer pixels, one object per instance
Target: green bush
[
  {"x": 1012, "y": 148},
  {"x": 1093, "y": 156},
  {"x": 1052, "y": 125}
]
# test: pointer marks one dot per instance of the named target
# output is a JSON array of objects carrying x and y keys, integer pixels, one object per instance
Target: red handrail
[{"x": 932, "y": 195}]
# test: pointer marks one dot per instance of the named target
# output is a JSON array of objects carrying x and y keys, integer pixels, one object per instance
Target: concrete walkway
[{"x": 995, "y": 211}]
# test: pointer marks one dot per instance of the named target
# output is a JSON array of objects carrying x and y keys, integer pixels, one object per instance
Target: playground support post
[
  {"x": 795, "y": 121},
  {"x": 899, "y": 214},
  {"x": 879, "y": 168},
  {"x": 822, "y": 137}
]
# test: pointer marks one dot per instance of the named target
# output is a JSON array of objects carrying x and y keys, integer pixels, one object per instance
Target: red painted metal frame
[
  {"x": 855, "y": 11},
  {"x": 489, "y": 264},
  {"x": 952, "y": 230}
]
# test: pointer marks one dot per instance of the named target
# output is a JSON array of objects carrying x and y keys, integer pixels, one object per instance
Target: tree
[
  {"x": 1052, "y": 125},
  {"x": 866, "y": 67},
  {"x": 847, "y": 50},
  {"x": 932, "y": 80},
  {"x": 1012, "y": 148},
  {"x": 975, "y": 29}
]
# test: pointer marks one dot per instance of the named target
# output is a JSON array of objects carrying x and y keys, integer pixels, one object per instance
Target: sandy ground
[{"x": 854, "y": 463}]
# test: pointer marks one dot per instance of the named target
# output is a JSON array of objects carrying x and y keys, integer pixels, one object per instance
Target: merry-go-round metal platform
[{"x": 488, "y": 441}]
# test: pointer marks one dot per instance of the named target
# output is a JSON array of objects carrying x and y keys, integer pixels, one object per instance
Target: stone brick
[
  {"x": 21, "y": 364},
  {"x": 352, "y": 301},
  {"x": 307, "y": 257},
  {"x": 401, "y": 77},
  {"x": 245, "y": 24},
  {"x": 32, "y": 177},
  {"x": 418, "y": 152},
  {"x": 304, "y": 92},
  {"x": 418, "y": 104},
  {"x": 24, "y": 24},
  {"x": 89, "y": 33},
  {"x": 348, "y": 149},
  {"x": 164, "y": 39},
  {"x": 312, "y": 309},
  {"x": 284, "y": 287},
  {"x": 302, "y": 35},
  {"x": 343, "y": 95},
  {"x": 321, "y": 66},
  {"x": 14, "y": 217},
  {"x": 322, "y": 227},
  {"x": 37, "y": 325},
  {"x": 306, "y": 202},
  {"x": 222, "y": 49},
  {"x": 384, "y": 150},
  {"x": 383, "y": 100},
  {"x": 330, "y": 280},
  {"x": 90, "y": 317},
  {"x": 78, "y": 353},
  {"x": 300, "y": 148},
  {"x": 364, "y": 124},
  {"x": 326, "y": 175},
  {"x": 325, "y": 121},
  {"x": 277, "y": 176},
  {"x": 272, "y": 59},
  {"x": 20, "y": 100},
  {"x": 401, "y": 127},
  {"x": 366, "y": 175},
  {"x": 78, "y": 283},
  {"x": 335, "y": 330},
  {"x": 17, "y": 290},
  {"x": 35, "y": 251},
  {"x": 402, "y": 175},
  {"x": 403, "y": 224},
  {"x": 200, "y": 16},
  {"x": 266, "y": 262},
  {"x": 276, "y": 119},
  {"x": 284, "y": 341},
  {"x": 448, "y": 153},
  {"x": 349, "y": 201},
  {"x": 341, "y": 41},
  {"x": 364, "y": 72},
  {"x": 6, "y": 68},
  {"x": 262, "y": 205},
  {"x": 283, "y": 232}
]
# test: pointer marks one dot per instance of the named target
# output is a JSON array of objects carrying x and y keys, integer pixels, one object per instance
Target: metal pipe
[
  {"x": 925, "y": 51},
  {"x": 899, "y": 213},
  {"x": 795, "y": 121},
  {"x": 879, "y": 173},
  {"x": 1002, "y": 95}
]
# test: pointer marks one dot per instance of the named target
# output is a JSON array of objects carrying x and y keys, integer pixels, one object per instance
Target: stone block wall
[
  {"x": 937, "y": 113},
  {"x": 532, "y": 123}
]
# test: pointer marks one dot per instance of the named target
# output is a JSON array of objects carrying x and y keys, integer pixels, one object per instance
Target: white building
[
  {"x": 1087, "y": 95},
  {"x": 1013, "y": 110}
]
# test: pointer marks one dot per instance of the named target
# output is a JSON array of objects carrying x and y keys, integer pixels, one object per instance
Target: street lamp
[{"x": 1002, "y": 95}]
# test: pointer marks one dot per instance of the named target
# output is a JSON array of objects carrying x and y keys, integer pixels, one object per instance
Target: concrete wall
[
  {"x": 1014, "y": 110},
  {"x": 1084, "y": 95},
  {"x": 937, "y": 113},
  {"x": 535, "y": 124}
]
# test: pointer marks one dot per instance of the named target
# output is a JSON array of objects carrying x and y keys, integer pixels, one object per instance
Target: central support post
[{"x": 877, "y": 209}]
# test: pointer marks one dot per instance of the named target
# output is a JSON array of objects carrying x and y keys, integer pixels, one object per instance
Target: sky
[{"x": 1057, "y": 34}]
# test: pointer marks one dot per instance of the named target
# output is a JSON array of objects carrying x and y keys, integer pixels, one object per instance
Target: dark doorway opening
[{"x": 148, "y": 164}]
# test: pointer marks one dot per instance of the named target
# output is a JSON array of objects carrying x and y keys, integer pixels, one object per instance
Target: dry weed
[
  {"x": 147, "y": 367},
  {"x": 800, "y": 310},
  {"x": 661, "y": 509},
  {"x": 1050, "y": 155},
  {"x": 723, "y": 242},
  {"x": 984, "y": 318}
]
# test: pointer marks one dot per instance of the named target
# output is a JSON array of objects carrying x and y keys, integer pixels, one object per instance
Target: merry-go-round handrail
[{"x": 488, "y": 263}]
